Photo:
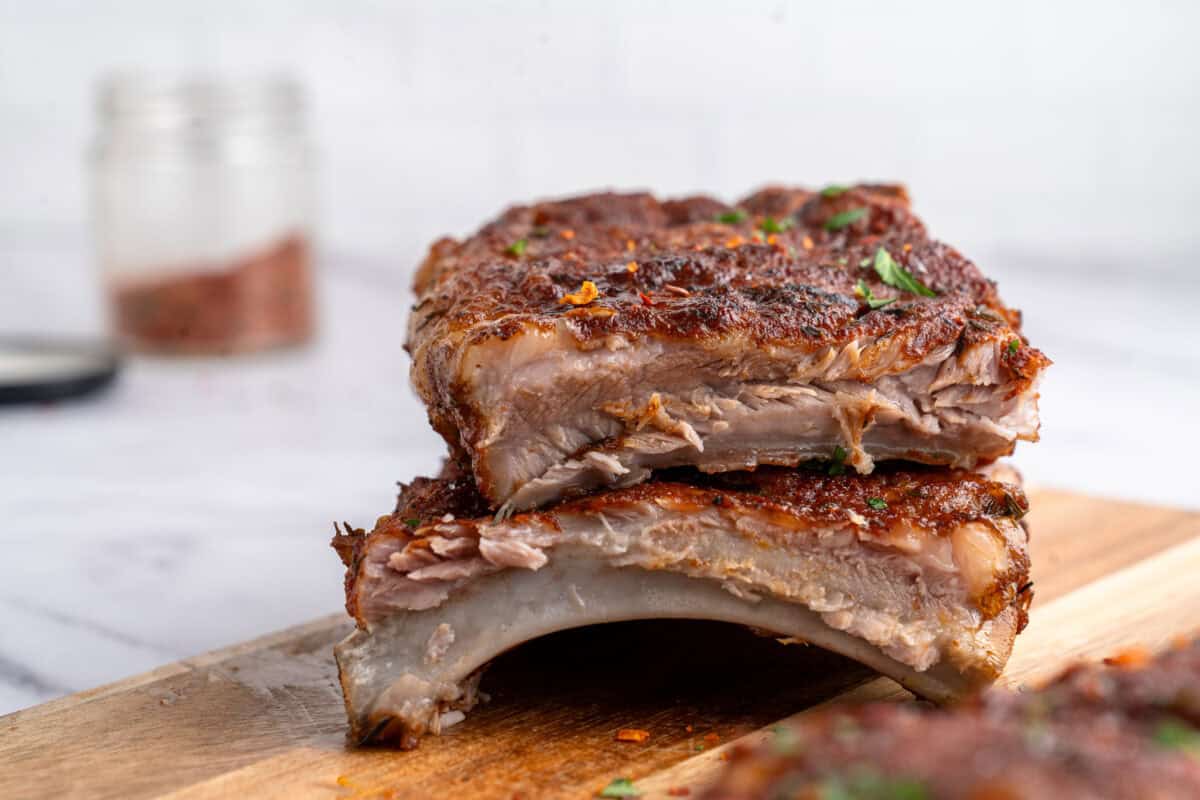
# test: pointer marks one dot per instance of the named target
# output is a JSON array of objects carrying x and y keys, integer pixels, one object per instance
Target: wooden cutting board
[{"x": 264, "y": 718}]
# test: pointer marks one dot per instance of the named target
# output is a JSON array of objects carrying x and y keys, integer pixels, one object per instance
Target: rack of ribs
[
  {"x": 1122, "y": 730},
  {"x": 919, "y": 573},
  {"x": 580, "y": 344}
]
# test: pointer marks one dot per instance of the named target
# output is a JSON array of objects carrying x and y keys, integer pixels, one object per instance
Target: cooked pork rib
[
  {"x": 918, "y": 573},
  {"x": 722, "y": 345},
  {"x": 1097, "y": 732}
]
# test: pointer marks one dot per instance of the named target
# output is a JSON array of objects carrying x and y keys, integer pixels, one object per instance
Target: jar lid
[
  {"x": 42, "y": 370},
  {"x": 188, "y": 100}
]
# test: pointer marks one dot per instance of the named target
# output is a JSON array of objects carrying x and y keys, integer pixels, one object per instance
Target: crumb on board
[
  {"x": 632, "y": 735},
  {"x": 1129, "y": 658}
]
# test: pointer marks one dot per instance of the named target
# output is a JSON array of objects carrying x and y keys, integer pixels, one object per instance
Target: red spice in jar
[{"x": 260, "y": 301}]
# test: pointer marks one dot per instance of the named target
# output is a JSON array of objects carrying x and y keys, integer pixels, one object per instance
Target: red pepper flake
[
  {"x": 632, "y": 735},
  {"x": 678, "y": 791},
  {"x": 734, "y": 241},
  {"x": 1130, "y": 658},
  {"x": 712, "y": 739},
  {"x": 567, "y": 234},
  {"x": 646, "y": 301},
  {"x": 586, "y": 294},
  {"x": 629, "y": 245},
  {"x": 772, "y": 240},
  {"x": 631, "y": 267},
  {"x": 807, "y": 243}
]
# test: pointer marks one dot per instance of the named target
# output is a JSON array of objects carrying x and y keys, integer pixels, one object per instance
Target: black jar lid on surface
[{"x": 42, "y": 370}]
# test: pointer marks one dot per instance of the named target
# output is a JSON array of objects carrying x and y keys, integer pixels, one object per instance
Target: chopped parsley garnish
[
  {"x": 1014, "y": 346},
  {"x": 412, "y": 523},
  {"x": 785, "y": 741},
  {"x": 1175, "y": 735},
  {"x": 833, "y": 190},
  {"x": 843, "y": 261},
  {"x": 732, "y": 217},
  {"x": 866, "y": 785},
  {"x": 877, "y": 503},
  {"x": 517, "y": 248},
  {"x": 839, "y": 458},
  {"x": 844, "y": 218},
  {"x": 620, "y": 787},
  {"x": 772, "y": 225},
  {"x": 897, "y": 276},
  {"x": 864, "y": 291}
]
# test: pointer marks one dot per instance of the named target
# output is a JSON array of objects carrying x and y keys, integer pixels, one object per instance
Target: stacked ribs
[{"x": 782, "y": 413}]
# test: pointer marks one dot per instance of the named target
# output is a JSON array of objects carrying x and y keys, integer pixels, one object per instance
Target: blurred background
[{"x": 189, "y": 505}]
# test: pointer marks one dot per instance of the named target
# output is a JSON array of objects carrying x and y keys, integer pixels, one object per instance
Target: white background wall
[{"x": 1033, "y": 125}]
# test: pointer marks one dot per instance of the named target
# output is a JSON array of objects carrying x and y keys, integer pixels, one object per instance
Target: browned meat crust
[
  {"x": 935, "y": 500},
  {"x": 785, "y": 276},
  {"x": 1095, "y": 732}
]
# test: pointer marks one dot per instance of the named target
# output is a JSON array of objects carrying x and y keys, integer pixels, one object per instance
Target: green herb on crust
[
  {"x": 620, "y": 787},
  {"x": 894, "y": 275},
  {"x": 844, "y": 218},
  {"x": 873, "y": 302},
  {"x": 772, "y": 225},
  {"x": 839, "y": 458}
]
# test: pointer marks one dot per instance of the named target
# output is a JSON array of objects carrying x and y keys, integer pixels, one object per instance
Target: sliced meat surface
[
  {"x": 918, "y": 573},
  {"x": 1096, "y": 732},
  {"x": 582, "y": 343}
]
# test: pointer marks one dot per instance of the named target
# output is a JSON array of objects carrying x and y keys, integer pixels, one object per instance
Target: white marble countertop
[{"x": 190, "y": 506}]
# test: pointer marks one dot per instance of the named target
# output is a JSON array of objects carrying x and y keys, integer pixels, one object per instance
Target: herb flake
[
  {"x": 413, "y": 522},
  {"x": 784, "y": 742},
  {"x": 865, "y": 785},
  {"x": 1173, "y": 734},
  {"x": 517, "y": 248},
  {"x": 620, "y": 787},
  {"x": 844, "y": 218},
  {"x": 833, "y": 190},
  {"x": 877, "y": 503},
  {"x": 731, "y": 217},
  {"x": 772, "y": 225},
  {"x": 896, "y": 276},
  {"x": 1014, "y": 346},
  {"x": 839, "y": 458},
  {"x": 873, "y": 302}
]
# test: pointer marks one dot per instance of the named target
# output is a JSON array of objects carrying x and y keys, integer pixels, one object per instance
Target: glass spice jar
[{"x": 202, "y": 205}]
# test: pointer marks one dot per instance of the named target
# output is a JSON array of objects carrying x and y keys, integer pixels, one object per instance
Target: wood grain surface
[{"x": 265, "y": 719}]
